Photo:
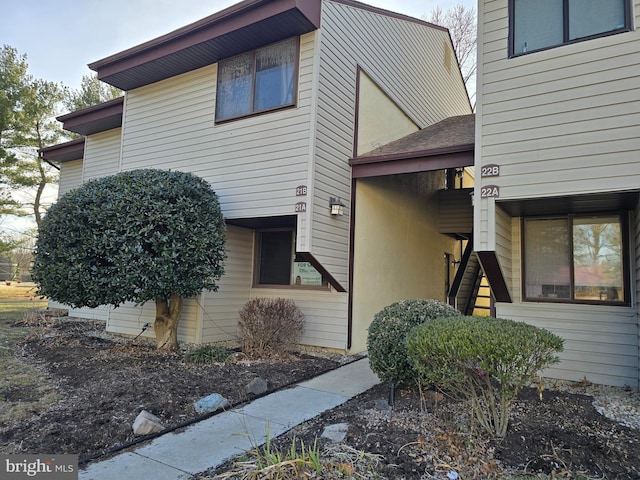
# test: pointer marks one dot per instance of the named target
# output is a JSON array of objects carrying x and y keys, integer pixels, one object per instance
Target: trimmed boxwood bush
[
  {"x": 387, "y": 335},
  {"x": 487, "y": 360}
]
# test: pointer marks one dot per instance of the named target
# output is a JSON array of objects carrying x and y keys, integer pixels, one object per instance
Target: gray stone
[
  {"x": 211, "y": 403},
  {"x": 382, "y": 404},
  {"x": 147, "y": 423},
  {"x": 257, "y": 386},
  {"x": 336, "y": 433}
]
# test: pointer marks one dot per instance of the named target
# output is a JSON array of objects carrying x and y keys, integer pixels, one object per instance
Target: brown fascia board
[
  {"x": 241, "y": 27},
  {"x": 63, "y": 152},
  {"x": 413, "y": 162},
  {"x": 364, "y": 160},
  {"x": 98, "y": 118}
]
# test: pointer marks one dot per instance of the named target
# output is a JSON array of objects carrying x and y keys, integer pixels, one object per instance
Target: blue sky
[{"x": 60, "y": 37}]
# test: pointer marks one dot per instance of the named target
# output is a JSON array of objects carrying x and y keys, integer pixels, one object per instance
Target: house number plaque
[
  {"x": 491, "y": 170},
  {"x": 301, "y": 207},
  {"x": 490, "y": 191},
  {"x": 301, "y": 190}
]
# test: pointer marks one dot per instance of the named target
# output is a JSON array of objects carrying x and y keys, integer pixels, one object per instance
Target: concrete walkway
[{"x": 209, "y": 443}]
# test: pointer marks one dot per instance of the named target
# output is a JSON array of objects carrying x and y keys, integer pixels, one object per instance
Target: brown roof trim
[
  {"x": 63, "y": 152},
  {"x": 491, "y": 267},
  {"x": 241, "y": 27},
  {"x": 424, "y": 163},
  {"x": 98, "y": 118},
  {"x": 448, "y": 143},
  {"x": 469, "y": 147}
]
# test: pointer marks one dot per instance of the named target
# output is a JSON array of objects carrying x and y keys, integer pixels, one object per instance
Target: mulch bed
[{"x": 106, "y": 381}]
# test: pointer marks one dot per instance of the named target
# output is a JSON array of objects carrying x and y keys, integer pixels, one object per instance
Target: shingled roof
[{"x": 447, "y": 144}]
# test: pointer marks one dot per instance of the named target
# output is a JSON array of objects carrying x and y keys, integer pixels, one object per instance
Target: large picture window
[
  {"x": 257, "y": 81},
  {"x": 278, "y": 264},
  {"x": 540, "y": 24},
  {"x": 575, "y": 259}
]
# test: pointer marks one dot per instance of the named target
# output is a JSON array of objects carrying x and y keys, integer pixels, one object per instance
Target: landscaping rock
[
  {"x": 211, "y": 403},
  {"x": 257, "y": 386},
  {"x": 146, "y": 423},
  {"x": 336, "y": 433}
]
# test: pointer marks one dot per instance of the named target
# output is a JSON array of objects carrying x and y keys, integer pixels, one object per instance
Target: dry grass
[{"x": 20, "y": 316}]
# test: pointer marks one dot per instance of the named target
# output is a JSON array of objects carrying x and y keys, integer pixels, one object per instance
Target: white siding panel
[
  {"x": 254, "y": 164},
  {"x": 70, "y": 176},
  {"x": 102, "y": 154}
]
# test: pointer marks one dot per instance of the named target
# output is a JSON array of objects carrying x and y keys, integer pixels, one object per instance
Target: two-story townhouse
[
  {"x": 558, "y": 162},
  {"x": 272, "y": 101}
]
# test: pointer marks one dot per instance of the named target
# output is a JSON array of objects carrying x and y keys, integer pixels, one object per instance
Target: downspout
[{"x": 352, "y": 226}]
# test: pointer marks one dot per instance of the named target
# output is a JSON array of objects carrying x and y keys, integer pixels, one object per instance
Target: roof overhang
[
  {"x": 447, "y": 144},
  {"x": 412, "y": 162},
  {"x": 63, "y": 152},
  {"x": 239, "y": 28},
  {"x": 98, "y": 118}
]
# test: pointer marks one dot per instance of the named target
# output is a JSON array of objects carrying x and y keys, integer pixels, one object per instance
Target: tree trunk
[{"x": 168, "y": 311}]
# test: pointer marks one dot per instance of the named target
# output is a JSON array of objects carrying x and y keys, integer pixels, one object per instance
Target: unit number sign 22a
[{"x": 490, "y": 191}]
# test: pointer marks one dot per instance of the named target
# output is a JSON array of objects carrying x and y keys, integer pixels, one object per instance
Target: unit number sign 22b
[{"x": 490, "y": 191}]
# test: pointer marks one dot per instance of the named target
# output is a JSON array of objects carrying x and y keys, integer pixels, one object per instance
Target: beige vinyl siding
[
  {"x": 635, "y": 235},
  {"x": 558, "y": 122},
  {"x": 407, "y": 61},
  {"x": 504, "y": 242},
  {"x": 70, "y": 176},
  {"x": 325, "y": 314},
  {"x": 220, "y": 315},
  {"x": 99, "y": 313},
  {"x": 254, "y": 164},
  {"x": 561, "y": 121},
  {"x": 601, "y": 344},
  {"x": 101, "y": 154},
  {"x": 564, "y": 121},
  {"x": 129, "y": 319}
]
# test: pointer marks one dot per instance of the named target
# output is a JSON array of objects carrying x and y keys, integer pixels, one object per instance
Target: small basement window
[{"x": 278, "y": 264}]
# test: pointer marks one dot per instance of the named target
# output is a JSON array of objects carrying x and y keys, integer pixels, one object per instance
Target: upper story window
[
  {"x": 541, "y": 24},
  {"x": 257, "y": 81},
  {"x": 278, "y": 264},
  {"x": 576, "y": 259}
]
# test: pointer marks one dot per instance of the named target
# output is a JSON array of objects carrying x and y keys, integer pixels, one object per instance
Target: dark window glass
[
  {"x": 276, "y": 256},
  {"x": 540, "y": 24},
  {"x": 575, "y": 258},
  {"x": 257, "y": 81}
]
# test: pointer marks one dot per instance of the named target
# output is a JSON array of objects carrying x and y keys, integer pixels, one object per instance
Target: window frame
[
  {"x": 253, "y": 112},
  {"x": 326, "y": 283},
  {"x": 625, "y": 259},
  {"x": 627, "y": 27}
]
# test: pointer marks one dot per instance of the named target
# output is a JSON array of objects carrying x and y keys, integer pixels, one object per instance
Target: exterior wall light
[{"x": 336, "y": 205}]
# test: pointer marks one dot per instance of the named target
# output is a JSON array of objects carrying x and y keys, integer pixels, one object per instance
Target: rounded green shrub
[
  {"x": 387, "y": 335},
  {"x": 487, "y": 360}
]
